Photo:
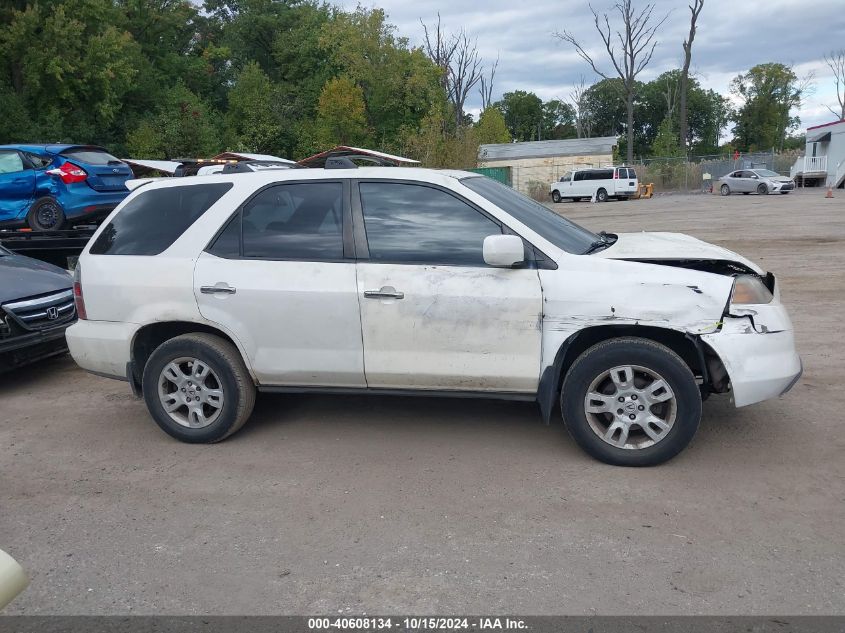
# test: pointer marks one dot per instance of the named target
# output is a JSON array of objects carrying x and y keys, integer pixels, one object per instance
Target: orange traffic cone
[{"x": 829, "y": 193}]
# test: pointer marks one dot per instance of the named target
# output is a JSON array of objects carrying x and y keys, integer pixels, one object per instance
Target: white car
[
  {"x": 200, "y": 291},
  {"x": 597, "y": 184}
]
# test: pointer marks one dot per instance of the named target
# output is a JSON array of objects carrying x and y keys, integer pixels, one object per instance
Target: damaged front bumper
[{"x": 757, "y": 348}]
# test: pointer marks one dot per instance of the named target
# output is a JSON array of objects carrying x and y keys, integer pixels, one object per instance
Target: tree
[
  {"x": 183, "y": 126},
  {"x": 836, "y": 62},
  {"x": 491, "y": 127},
  {"x": 605, "y": 104},
  {"x": 253, "y": 124},
  {"x": 695, "y": 10},
  {"x": 341, "y": 114},
  {"x": 558, "y": 120},
  {"x": 523, "y": 112},
  {"x": 636, "y": 37},
  {"x": 486, "y": 89},
  {"x": 769, "y": 93},
  {"x": 583, "y": 118},
  {"x": 459, "y": 62}
]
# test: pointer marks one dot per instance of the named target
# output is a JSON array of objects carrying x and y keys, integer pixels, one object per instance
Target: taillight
[
  {"x": 78, "y": 299},
  {"x": 69, "y": 173}
]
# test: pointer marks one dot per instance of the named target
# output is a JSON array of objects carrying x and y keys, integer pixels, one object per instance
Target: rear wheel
[
  {"x": 556, "y": 195},
  {"x": 762, "y": 189},
  {"x": 45, "y": 214},
  {"x": 601, "y": 195},
  {"x": 197, "y": 388},
  {"x": 725, "y": 190},
  {"x": 631, "y": 402}
]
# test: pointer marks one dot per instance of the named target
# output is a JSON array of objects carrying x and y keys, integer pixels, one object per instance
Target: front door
[
  {"x": 281, "y": 279},
  {"x": 433, "y": 314},
  {"x": 17, "y": 185}
]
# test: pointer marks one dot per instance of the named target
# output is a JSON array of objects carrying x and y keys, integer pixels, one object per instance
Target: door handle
[
  {"x": 218, "y": 289},
  {"x": 385, "y": 292}
]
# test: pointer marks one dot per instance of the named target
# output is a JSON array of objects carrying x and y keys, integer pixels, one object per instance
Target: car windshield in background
[
  {"x": 91, "y": 156},
  {"x": 561, "y": 232},
  {"x": 767, "y": 173}
]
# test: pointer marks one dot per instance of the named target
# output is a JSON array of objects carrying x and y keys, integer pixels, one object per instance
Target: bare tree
[
  {"x": 695, "y": 10},
  {"x": 836, "y": 61},
  {"x": 636, "y": 38},
  {"x": 459, "y": 62},
  {"x": 486, "y": 89},
  {"x": 583, "y": 117}
]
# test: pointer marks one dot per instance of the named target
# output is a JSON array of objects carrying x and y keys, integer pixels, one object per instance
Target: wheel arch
[
  {"x": 150, "y": 336},
  {"x": 704, "y": 363}
]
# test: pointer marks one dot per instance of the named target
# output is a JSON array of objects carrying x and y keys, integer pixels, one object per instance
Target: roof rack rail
[{"x": 348, "y": 161}]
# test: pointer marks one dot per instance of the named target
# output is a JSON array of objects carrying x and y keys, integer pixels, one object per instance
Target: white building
[{"x": 823, "y": 163}]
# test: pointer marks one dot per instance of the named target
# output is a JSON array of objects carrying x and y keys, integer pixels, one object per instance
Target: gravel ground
[{"x": 364, "y": 504}]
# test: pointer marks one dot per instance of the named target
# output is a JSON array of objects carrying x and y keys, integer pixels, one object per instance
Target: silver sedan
[{"x": 762, "y": 181}]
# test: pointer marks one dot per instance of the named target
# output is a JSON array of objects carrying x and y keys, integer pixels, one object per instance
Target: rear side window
[
  {"x": 91, "y": 156},
  {"x": 302, "y": 221},
  {"x": 154, "y": 219},
  {"x": 10, "y": 162}
]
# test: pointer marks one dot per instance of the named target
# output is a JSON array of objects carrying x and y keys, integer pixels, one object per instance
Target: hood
[
  {"x": 674, "y": 249},
  {"x": 22, "y": 277}
]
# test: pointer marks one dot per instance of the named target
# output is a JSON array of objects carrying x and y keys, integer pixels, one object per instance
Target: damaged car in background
[{"x": 201, "y": 291}]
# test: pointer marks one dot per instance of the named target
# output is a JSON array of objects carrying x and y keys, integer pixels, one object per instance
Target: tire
[
  {"x": 556, "y": 196},
  {"x": 762, "y": 189},
  {"x": 725, "y": 190},
  {"x": 679, "y": 414},
  {"x": 601, "y": 195},
  {"x": 45, "y": 214},
  {"x": 227, "y": 374}
]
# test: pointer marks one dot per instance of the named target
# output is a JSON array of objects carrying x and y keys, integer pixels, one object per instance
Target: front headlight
[{"x": 749, "y": 289}]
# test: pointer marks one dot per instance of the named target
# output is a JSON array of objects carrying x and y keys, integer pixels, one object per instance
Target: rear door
[
  {"x": 17, "y": 185},
  {"x": 281, "y": 277},
  {"x": 105, "y": 172},
  {"x": 433, "y": 314}
]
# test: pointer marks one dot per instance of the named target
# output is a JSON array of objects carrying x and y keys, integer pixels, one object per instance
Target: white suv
[
  {"x": 597, "y": 184},
  {"x": 200, "y": 291}
]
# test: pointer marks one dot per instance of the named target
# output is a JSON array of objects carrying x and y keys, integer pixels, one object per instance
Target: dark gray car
[
  {"x": 762, "y": 181},
  {"x": 36, "y": 307}
]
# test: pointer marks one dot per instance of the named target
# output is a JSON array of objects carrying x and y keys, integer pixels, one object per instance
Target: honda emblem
[{"x": 52, "y": 313}]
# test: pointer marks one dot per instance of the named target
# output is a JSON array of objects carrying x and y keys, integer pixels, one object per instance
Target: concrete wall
[{"x": 545, "y": 170}]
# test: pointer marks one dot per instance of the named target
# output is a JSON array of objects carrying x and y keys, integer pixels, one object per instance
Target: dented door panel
[{"x": 470, "y": 328}]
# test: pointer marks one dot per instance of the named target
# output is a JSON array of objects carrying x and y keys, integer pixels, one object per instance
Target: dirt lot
[{"x": 339, "y": 504}]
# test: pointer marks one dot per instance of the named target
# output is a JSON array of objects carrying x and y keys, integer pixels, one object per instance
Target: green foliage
[
  {"x": 491, "y": 127},
  {"x": 253, "y": 121},
  {"x": 558, "y": 120},
  {"x": 666, "y": 143},
  {"x": 769, "y": 93},
  {"x": 341, "y": 115},
  {"x": 435, "y": 143},
  {"x": 523, "y": 112},
  {"x": 183, "y": 126}
]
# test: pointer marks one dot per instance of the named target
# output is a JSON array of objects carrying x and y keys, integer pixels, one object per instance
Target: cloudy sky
[{"x": 732, "y": 36}]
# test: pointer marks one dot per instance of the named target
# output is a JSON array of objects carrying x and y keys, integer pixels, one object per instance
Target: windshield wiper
[{"x": 605, "y": 240}]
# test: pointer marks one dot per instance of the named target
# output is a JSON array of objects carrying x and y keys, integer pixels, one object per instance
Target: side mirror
[{"x": 503, "y": 251}]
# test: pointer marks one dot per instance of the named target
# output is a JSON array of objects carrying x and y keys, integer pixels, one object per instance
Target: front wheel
[
  {"x": 725, "y": 190},
  {"x": 556, "y": 196},
  {"x": 197, "y": 388},
  {"x": 762, "y": 189},
  {"x": 601, "y": 195},
  {"x": 631, "y": 402}
]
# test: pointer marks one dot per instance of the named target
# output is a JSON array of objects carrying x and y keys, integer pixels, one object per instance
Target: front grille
[
  {"x": 42, "y": 313},
  {"x": 789, "y": 186}
]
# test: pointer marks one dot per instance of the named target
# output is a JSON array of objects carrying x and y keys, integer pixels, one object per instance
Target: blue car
[{"x": 50, "y": 187}]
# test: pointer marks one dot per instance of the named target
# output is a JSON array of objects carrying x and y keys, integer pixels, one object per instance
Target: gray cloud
[{"x": 732, "y": 37}]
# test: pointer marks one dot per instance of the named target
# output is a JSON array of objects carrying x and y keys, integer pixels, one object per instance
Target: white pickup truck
[{"x": 200, "y": 291}]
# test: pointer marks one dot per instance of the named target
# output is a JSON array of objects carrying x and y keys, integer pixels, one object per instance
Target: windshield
[
  {"x": 564, "y": 234},
  {"x": 767, "y": 173}
]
